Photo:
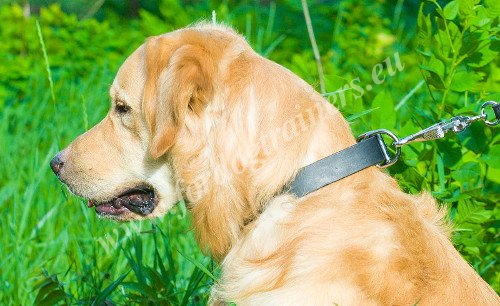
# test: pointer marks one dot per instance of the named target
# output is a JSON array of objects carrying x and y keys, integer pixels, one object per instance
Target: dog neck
[{"x": 226, "y": 198}]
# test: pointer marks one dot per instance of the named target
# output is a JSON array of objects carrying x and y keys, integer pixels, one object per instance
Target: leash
[{"x": 371, "y": 150}]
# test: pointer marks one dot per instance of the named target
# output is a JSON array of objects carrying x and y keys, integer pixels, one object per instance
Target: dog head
[
  {"x": 110, "y": 164},
  {"x": 121, "y": 165}
]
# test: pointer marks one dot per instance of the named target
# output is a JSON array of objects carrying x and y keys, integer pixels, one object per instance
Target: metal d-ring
[
  {"x": 389, "y": 161},
  {"x": 485, "y": 116}
]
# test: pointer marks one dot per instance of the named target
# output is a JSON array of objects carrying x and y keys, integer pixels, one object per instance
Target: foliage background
[{"x": 54, "y": 250}]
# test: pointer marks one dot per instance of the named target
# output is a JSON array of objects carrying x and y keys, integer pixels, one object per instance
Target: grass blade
[
  {"x": 106, "y": 292},
  {"x": 197, "y": 264},
  {"x": 353, "y": 117}
]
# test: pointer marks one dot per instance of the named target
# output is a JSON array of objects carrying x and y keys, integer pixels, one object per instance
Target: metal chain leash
[{"x": 456, "y": 124}]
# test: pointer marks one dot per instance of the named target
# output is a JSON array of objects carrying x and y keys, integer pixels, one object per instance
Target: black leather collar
[{"x": 368, "y": 152}]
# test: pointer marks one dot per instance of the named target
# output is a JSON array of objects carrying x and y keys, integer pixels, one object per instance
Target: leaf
[
  {"x": 432, "y": 77},
  {"x": 450, "y": 151},
  {"x": 446, "y": 39},
  {"x": 42, "y": 282},
  {"x": 198, "y": 265},
  {"x": 46, "y": 289},
  {"x": 384, "y": 116},
  {"x": 466, "y": 7},
  {"x": 473, "y": 213},
  {"x": 492, "y": 157},
  {"x": 465, "y": 81},
  {"x": 481, "y": 19},
  {"x": 470, "y": 171},
  {"x": 472, "y": 250},
  {"x": 106, "y": 292},
  {"x": 437, "y": 66},
  {"x": 471, "y": 42},
  {"x": 196, "y": 276},
  {"x": 493, "y": 8},
  {"x": 455, "y": 196},
  {"x": 141, "y": 288},
  {"x": 485, "y": 52},
  {"x": 155, "y": 278},
  {"x": 440, "y": 168},
  {"x": 424, "y": 28},
  {"x": 473, "y": 138},
  {"x": 53, "y": 298},
  {"x": 413, "y": 178},
  {"x": 450, "y": 11},
  {"x": 170, "y": 258}
]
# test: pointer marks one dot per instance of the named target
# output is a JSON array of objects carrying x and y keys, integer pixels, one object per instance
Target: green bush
[
  {"x": 458, "y": 46},
  {"x": 52, "y": 252}
]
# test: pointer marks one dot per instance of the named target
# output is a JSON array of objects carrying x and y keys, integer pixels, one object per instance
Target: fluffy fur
[{"x": 227, "y": 130}]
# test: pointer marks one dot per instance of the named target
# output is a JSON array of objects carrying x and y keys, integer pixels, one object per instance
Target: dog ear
[{"x": 178, "y": 82}]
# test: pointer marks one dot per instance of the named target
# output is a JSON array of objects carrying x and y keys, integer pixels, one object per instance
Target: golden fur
[{"x": 226, "y": 129}]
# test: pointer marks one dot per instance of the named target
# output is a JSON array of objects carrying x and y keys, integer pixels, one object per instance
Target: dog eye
[{"x": 122, "y": 108}]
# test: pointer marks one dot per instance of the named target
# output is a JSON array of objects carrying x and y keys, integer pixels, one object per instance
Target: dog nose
[{"x": 56, "y": 164}]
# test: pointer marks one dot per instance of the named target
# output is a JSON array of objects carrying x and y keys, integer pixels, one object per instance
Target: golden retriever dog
[{"x": 196, "y": 114}]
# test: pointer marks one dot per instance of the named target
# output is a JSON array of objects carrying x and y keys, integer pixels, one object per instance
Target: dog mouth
[{"x": 140, "y": 200}]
